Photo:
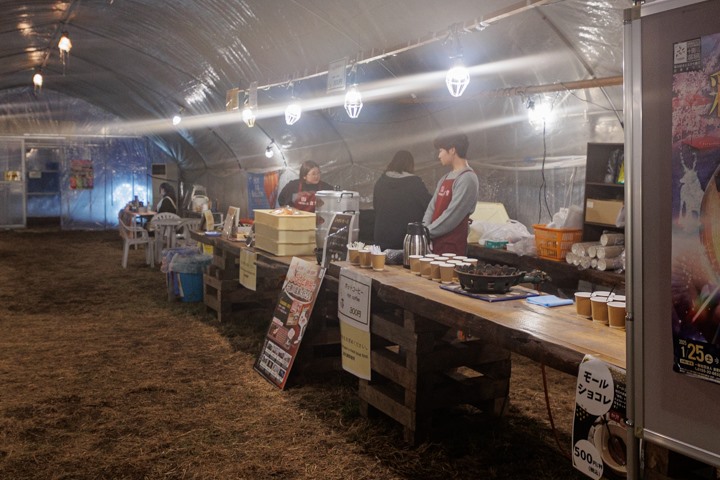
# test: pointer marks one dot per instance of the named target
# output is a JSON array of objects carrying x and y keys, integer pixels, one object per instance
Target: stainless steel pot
[{"x": 330, "y": 202}]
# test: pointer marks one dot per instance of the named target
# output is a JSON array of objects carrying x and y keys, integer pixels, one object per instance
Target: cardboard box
[
  {"x": 284, "y": 249},
  {"x": 301, "y": 221},
  {"x": 285, "y": 236},
  {"x": 604, "y": 212}
]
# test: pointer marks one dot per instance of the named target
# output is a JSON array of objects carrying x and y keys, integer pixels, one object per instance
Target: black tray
[{"x": 476, "y": 283}]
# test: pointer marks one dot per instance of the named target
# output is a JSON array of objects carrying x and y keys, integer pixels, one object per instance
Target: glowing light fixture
[
  {"x": 293, "y": 112},
  {"x": 269, "y": 152},
  {"x": 458, "y": 77},
  {"x": 353, "y": 97},
  {"x": 248, "y": 116},
  {"x": 38, "y": 79},
  {"x": 64, "y": 45},
  {"x": 353, "y": 102},
  {"x": 540, "y": 113},
  {"x": 177, "y": 118}
]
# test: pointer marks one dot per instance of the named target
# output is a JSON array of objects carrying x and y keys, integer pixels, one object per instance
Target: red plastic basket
[{"x": 555, "y": 243}]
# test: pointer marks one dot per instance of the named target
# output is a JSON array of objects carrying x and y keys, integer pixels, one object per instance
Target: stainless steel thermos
[{"x": 417, "y": 242}]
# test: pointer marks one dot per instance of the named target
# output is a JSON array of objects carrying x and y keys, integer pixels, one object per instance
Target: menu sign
[
  {"x": 354, "y": 292},
  {"x": 600, "y": 429},
  {"x": 290, "y": 319}
]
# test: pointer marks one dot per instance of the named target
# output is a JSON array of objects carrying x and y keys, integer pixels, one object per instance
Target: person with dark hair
[
  {"x": 455, "y": 198},
  {"x": 399, "y": 197},
  {"x": 300, "y": 193},
  {"x": 168, "y": 200}
]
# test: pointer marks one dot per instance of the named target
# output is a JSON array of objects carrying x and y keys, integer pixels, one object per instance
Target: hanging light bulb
[
  {"x": 177, "y": 118},
  {"x": 353, "y": 97},
  {"x": 293, "y": 112},
  {"x": 457, "y": 79},
  {"x": 540, "y": 113},
  {"x": 248, "y": 116},
  {"x": 38, "y": 79},
  {"x": 269, "y": 152},
  {"x": 65, "y": 45},
  {"x": 353, "y": 102}
]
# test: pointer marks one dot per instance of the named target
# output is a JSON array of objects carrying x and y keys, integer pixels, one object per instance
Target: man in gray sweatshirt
[{"x": 455, "y": 198}]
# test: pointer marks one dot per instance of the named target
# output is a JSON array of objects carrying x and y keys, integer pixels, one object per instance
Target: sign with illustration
[
  {"x": 290, "y": 320},
  {"x": 600, "y": 429},
  {"x": 696, "y": 207}
]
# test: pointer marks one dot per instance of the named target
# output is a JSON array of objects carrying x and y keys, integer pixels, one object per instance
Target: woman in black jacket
[{"x": 399, "y": 197}]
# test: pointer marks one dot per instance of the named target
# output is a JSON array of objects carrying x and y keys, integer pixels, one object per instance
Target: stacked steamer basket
[{"x": 285, "y": 232}]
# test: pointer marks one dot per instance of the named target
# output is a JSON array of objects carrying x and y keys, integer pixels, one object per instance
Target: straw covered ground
[{"x": 103, "y": 378}]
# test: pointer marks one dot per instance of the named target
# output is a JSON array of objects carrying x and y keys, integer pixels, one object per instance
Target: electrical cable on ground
[{"x": 550, "y": 417}]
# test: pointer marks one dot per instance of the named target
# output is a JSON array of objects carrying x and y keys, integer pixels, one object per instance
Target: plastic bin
[
  {"x": 555, "y": 243},
  {"x": 191, "y": 286}
]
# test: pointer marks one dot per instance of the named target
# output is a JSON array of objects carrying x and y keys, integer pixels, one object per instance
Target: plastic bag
[
  {"x": 189, "y": 263},
  {"x": 512, "y": 231},
  {"x": 567, "y": 218}
]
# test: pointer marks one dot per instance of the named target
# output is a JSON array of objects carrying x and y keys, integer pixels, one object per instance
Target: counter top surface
[{"x": 555, "y": 336}]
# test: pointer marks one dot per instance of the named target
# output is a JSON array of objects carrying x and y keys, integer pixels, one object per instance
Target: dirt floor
[{"x": 103, "y": 378}]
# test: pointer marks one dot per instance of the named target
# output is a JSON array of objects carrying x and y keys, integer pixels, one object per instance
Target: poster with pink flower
[{"x": 696, "y": 207}]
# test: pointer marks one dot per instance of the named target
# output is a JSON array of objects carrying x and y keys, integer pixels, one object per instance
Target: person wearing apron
[
  {"x": 455, "y": 198},
  {"x": 300, "y": 193}
]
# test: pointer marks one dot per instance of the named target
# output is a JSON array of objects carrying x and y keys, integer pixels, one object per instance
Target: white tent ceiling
[{"x": 142, "y": 61}]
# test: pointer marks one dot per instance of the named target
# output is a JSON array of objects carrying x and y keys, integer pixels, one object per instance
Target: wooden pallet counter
[
  {"x": 223, "y": 295},
  {"x": 418, "y": 365},
  {"x": 555, "y": 337}
]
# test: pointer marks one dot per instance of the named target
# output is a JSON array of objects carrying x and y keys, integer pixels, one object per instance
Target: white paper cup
[
  {"x": 582, "y": 304},
  {"x": 616, "y": 314},
  {"x": 435, "y": 270},
  {"x": 599, "y": 309},
  {"x": 414, "y": 261},
  {"x": 377, "y": 260},
  {"x": 425, "y": 270}
]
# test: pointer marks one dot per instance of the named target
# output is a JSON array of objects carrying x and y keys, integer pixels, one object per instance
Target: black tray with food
[{"x": 483, "y": 278}]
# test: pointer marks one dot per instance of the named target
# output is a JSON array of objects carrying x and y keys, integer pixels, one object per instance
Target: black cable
[{"x": 543, "y": 186}]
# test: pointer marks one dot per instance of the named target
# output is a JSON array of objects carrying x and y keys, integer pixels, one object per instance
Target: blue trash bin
[
  {"x": 187, "y": 268},
  {"x": 191, "y": 286}
]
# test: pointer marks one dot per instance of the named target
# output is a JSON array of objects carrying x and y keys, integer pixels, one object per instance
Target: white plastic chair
[
  {"x": 165, "y": 225},
  {"x": 183, "y": 231},
  {"x": 134, "y": 235}
]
